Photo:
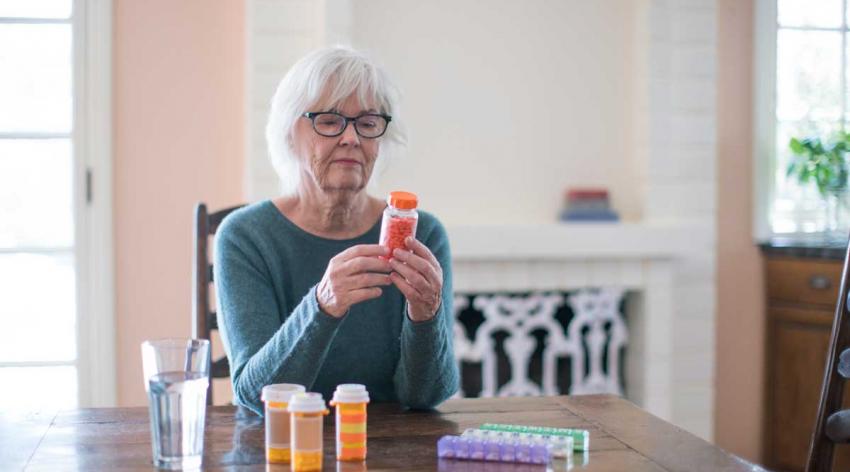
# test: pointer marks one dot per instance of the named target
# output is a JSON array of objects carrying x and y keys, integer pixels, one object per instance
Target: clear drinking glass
[{"x": 176, "y": 374}]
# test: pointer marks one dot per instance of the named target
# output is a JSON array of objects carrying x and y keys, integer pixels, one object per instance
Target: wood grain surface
[{"x": 623, "y": 437}]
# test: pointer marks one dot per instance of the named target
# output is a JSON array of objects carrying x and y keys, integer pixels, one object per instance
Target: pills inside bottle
[
  {"x": 306, "y": 425},
  {"x": 276, "y": 398},
  {"x": 399, "y": 220}
]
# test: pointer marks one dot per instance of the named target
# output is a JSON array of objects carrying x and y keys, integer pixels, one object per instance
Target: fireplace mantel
[
  {"x": 637, "y": 257},
  {"x": 551, "y": 241}
]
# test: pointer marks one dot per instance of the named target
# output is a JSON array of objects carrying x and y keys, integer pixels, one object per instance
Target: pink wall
[
  {"x": 178, "y": 130},
  {"x": 740, "y": 282}
]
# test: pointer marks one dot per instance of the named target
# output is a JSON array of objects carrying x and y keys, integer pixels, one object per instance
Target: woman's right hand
[{"x": 353, "y": 276}]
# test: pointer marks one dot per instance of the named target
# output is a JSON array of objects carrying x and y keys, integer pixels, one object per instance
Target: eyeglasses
[{"x": 331, "y": 124}]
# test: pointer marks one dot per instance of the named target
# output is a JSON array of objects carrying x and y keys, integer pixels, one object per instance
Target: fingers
[
  {"x": 345, "y": 285},
  {"x": 416, "y": 289},
  {"x": 413, "y": 276},
  {"x": 361, "y": 250},
  {"x": 419, "y": 277},
  {"x": 420, "y": 307},
  {"x": 431, "y": 271},
  {"x": 353, "y": 276},
  {"x": 369, "y": 280},
  {"x": 358, "y": 273},
  {"x": 363, "y": 258},
  {"x": 421, "y": 250},
  {"x": 336, "y": 295},
  {"x": 363, "y": 294},
  {"x": 365, "y": 264},
  {"x": 405, "y": 288}
]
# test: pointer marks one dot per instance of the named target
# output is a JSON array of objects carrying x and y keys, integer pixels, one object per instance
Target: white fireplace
[{"x": 638, "y": 259}]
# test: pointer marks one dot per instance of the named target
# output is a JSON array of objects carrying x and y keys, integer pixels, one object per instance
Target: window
[
  {"x": 37, "y": 264},
  {"x": 801, "y": 90},
  {"x": 55, "y": 239}
]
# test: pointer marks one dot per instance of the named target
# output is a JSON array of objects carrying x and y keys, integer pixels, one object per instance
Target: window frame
[
  {"x": 91, "y": 26},
  {"x": 764, "y": 115}
]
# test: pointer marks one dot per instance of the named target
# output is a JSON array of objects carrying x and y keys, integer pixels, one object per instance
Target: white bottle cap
[
  {"x": 309, "y": 402},
  {"x": 280, "y": 392},
  {"x": 350, "y": 393}
]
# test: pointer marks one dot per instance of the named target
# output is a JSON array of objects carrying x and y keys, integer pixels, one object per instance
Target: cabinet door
[{"x": 797, "y": 357}]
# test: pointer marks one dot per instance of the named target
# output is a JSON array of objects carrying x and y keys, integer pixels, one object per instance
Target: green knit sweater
[{"x": 266, "y": 272}]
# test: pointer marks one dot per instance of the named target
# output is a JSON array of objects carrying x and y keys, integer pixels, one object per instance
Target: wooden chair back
[
  {"x": 203, "y": 309},
  {"x": 833, "y": 424}
]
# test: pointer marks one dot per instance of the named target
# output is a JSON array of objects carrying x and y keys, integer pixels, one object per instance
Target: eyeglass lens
[{"x": 332, "y": 124}]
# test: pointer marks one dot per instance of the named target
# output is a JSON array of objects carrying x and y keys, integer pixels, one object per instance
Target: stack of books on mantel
[{"x": 588, "y": 204}]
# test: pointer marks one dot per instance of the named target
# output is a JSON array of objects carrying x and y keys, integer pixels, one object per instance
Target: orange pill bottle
[
  {"x": 276, "y": 398},
  {"x": 350, "y": 401},
  {"x": 399, "y": 221},
  {"x": 307, "y": 410}
]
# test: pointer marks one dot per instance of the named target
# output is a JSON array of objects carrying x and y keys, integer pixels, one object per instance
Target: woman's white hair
[{"x": 329, "y": 75}]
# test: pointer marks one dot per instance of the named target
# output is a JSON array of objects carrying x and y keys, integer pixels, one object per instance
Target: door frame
[{"x": 94, "y": 256}]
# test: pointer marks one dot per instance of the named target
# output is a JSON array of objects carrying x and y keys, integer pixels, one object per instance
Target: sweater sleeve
[
  {"x": 427, "y": 373},
  {"x": 260, "y": 348}
]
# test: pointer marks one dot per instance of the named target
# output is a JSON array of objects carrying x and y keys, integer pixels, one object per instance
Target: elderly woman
[{"x": 305, "y": 293}]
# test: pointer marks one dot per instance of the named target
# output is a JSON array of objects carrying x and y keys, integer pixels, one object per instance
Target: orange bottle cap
[{"x": 403, "y": 200}]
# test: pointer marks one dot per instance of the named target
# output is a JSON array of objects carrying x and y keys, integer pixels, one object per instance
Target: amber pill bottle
[
  {"x": 307, "y": 410},
  {"x": 276, "y": 398}
]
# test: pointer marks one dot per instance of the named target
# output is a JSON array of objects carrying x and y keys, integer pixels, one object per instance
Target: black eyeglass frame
[{"x": 311, "y": 115}]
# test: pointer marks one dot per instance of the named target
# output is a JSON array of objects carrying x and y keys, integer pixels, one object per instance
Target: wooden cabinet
[{"x": 802, "y": 294}]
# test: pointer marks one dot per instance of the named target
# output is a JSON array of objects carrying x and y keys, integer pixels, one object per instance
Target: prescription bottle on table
[
  {"x": 307, "y": 410},
  {"x": 276, "y": 398},
  {"x": 399, "y": 221},
  {"x": 350, "y": 401}
]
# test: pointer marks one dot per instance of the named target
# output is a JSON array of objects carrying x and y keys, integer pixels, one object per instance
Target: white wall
[{"x": 509, "y": 102}]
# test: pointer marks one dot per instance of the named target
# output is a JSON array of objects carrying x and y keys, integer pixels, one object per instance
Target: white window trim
[
  {"x": 92, "y": 137},
  {"x": 764, "y": 116}
]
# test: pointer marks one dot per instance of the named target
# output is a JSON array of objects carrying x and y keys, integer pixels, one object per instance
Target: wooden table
[{"x": 622, "y": 438}]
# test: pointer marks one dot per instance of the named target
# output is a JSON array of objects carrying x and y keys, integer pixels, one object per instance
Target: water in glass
[{"x": 177, "y": 405}]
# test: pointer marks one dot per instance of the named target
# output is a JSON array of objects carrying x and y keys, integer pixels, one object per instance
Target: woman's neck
[{"x": 334, "y": 215}]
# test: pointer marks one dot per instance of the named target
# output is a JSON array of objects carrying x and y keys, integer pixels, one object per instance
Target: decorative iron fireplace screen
[{"x": 541, "y": 343}]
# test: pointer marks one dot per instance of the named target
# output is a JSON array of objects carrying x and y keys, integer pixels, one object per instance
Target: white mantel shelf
[{"x": 565, "y": 241}]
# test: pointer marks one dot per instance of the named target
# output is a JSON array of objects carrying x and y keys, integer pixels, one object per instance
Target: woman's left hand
[{"x": 418, "y": 275}]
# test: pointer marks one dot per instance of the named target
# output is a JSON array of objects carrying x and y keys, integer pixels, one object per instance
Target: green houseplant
[{"x": 825, "y": 165}]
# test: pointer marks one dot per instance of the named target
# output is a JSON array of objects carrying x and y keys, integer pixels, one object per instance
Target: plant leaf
[{"x": 796, "y": 146}]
